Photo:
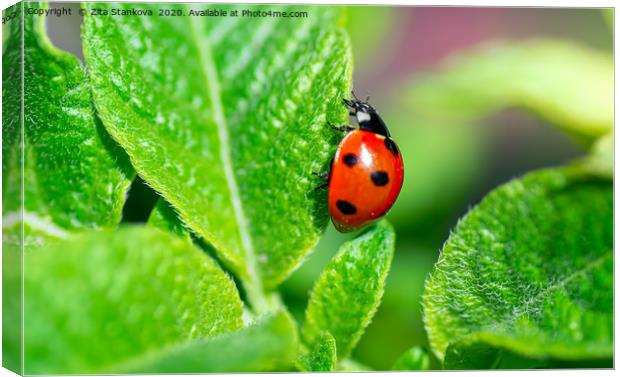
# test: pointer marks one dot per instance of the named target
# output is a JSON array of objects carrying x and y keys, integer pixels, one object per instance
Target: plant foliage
[
  {"x": 101, "y": 298},
  {"x": 529, "y": 270},
  {"x": 226, "y": 120},
  {"x": 349, "y": 290}
]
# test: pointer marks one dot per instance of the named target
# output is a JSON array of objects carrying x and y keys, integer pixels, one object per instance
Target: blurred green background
[{"x": 451, "y": 162}]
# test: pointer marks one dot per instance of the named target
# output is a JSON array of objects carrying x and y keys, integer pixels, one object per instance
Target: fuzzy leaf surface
[
  {"x": 226, "y": 119},
  {"x": 348, "y": 292},
  {"x": 322, "y": 358},
  {"x": 529, "y": 270},
  {"x": 75, "y": 175},
  {"x": 101, "y": 298},
  {"x": 11, "y": 110},
  {"x": 268, "y": 345},
  {"x": 165, "y": 217}
]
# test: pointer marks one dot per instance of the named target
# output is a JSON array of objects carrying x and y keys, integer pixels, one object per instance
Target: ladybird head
[
  {"x": 367, "y": 116},
  {"x": 362, "y": 110}
]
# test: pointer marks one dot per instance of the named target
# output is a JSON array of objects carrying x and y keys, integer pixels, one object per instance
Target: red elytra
[{"x": 365, "y": 179}]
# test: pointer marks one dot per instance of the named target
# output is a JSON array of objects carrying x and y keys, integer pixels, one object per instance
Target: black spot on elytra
[
  {"x": 345, "y": 207},
  {"x": 391, "y": 145},
  {"x": 349, "y": 159},
  {"x": 379, "y": 178}
]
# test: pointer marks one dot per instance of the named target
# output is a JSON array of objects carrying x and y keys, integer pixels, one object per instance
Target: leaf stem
[
  {"x": 255, "y": 297},
  {"x": 259, "y": 301}
]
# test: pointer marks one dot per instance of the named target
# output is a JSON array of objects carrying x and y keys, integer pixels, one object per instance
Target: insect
[{"x": 366, "y": 173}]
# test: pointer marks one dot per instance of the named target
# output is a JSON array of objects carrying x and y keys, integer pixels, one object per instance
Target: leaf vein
[{"x": 212, "y": 80}]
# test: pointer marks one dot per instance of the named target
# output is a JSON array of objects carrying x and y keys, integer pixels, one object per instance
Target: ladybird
[{"x": 366, "y": 173}]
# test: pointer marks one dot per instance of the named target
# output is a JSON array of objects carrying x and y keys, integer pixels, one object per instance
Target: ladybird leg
[
  {"x": 350, "y": 104},
  {"x": 323, "y": 175},
  {"x": 321, "y": 186},
  {"x": 345, "y": 128}
]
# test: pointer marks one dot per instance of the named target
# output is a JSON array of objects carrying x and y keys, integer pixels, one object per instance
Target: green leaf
[
  {"x": 101, "y": 298},
  {"x": 322, "y": 358},
  {"x": 75, "y": 175},
  {"x": 480, "y": 353},
  {"x": 415, "y": 358},
  {"x": 266, "y": 346},
  {"x": 471, "y": 355},
  {"x": 164, "y": 217},
  {"x": 11, "y": 110},
  {"x": 226, "y": 119},
  {"x": 36, "y": 231},
  {"x": 529, "y": 270},
  {"x": 568, "y": 84},
  {"x": 348, "y": 292}
]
